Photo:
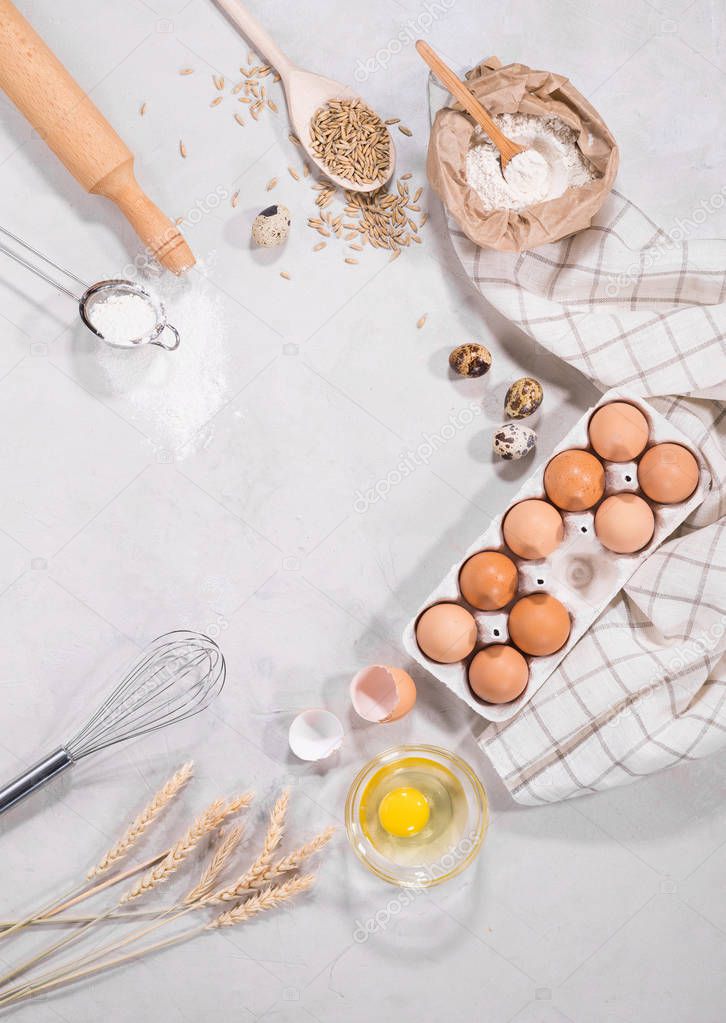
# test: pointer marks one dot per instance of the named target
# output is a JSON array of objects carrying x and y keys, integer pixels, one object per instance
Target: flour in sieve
[
  {"x": 527, "y": 181},
  {"x": 122, "y": 317}
]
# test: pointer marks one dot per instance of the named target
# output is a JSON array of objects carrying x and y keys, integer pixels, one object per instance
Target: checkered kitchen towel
[{"x": 645, "y": 688}]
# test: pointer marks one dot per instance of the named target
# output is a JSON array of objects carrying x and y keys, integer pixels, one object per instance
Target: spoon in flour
[
  {"x": 305, "y": 93},
  {"x": 525, "y": 169}
]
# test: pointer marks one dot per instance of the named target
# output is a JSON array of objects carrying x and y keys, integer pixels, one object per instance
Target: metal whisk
[{"x": 175, "y": 677}]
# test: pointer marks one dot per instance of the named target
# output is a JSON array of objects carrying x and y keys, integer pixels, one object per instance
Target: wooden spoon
[
  {"x": 507, "y": 148},
  {"x": 305, "y": 91}
]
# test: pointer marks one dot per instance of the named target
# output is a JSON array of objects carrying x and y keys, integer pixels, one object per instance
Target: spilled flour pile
[
  {"x": 551, "y": 164},
  {"x": 172, "y": 396}
]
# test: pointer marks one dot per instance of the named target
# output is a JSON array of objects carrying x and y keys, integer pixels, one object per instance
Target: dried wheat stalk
[
  {"x": 211, "y": 819},
  {"x": 264, "y": 901},
  {"x": 273, "y": 837},
  {"x": 295, "y": 859},
  {"x": 248, "y": 903},
  {"x": 270, "y": 898},
  {"x": 213, "y": 871},
  {"x": 160, "y": 802}
]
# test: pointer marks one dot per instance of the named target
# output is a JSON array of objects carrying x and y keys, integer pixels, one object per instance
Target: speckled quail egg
[
  {"x": 523, "y": 398},
  {"x": 470, "y": 360},
  {"x": 513, "y": 441},
  {"x": 271, "y": 226}
]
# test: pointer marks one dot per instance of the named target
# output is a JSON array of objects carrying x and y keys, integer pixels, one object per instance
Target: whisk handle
[{"x": 33, "y": 778}]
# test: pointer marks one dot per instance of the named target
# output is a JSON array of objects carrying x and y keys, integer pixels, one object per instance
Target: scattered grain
[
  {"x": 420, "y": 322},
  {"x": 182, "y": 150},
  {"x": 270, "y": 184},
  {"x": 285, "y": 274},
  {"x": 405, "y": 131}
]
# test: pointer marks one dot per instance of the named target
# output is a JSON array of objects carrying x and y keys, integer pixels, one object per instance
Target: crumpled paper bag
[{"x": 511, "y": 89}]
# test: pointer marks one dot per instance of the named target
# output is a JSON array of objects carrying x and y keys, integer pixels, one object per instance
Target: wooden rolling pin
[{"x": 80, "y": 136}]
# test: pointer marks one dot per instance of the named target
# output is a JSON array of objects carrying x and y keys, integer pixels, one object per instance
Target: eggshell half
[
  {"x": 382, "y": 694},
  {"x": 315, "y": 734}
]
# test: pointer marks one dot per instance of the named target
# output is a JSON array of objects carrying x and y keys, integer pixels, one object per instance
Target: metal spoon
[{"x": 305, "y": 91}]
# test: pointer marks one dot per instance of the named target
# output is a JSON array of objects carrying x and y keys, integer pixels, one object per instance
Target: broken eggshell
[
  {"x": 382, "y": 694},
  {"x": 315, "y": 734}
]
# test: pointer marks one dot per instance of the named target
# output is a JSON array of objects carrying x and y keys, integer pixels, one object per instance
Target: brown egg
[
  {"x": 624, "y": 523},
  {"x": 539, "y": 624},
  {"x": 574, "y": 480},
  {"x": 619, "y": 431},
  {"x": 668, "y": 473},
  {"x": 446, "y": 633},
  {"x": 498, "y": 674},
  {"x": 488, "y": 580},
  {"x": 533, "y": 529}
]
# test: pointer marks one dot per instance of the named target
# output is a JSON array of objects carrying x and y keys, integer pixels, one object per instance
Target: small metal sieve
[{"x": 95, "y": 294}]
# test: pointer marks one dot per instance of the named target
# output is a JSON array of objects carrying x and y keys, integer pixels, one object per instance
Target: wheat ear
[
  {"x": 270, "y": 898},
  {"x": 297, "y": 857},
  {"x": 212, "y": 817},
  {"x": 213, "y": 870},
  {"x": 161, "y": 800},
  {"x": 273, "y": 837}
]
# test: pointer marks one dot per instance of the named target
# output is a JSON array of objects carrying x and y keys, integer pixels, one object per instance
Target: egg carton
[{"x": 580, "y": 573}]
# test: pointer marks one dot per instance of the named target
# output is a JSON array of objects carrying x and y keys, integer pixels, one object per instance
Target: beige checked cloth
[{"x": 645, "y": 688}]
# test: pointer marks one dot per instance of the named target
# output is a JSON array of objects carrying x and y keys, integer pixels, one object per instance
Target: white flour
[
  {"x": 553, "y": 164},
  {"x": 172, "y": 397},
  {"x": 122, "y": 317}
]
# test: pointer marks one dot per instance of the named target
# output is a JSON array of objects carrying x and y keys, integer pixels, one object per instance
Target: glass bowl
[{"x": 450, "y": 863}]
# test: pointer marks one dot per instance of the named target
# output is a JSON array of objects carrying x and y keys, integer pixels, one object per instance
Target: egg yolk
[{"x": 404, "y": 812}]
